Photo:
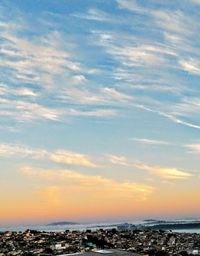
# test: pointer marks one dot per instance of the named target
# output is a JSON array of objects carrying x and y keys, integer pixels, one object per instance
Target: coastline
[{"x": 183, "y": 226}]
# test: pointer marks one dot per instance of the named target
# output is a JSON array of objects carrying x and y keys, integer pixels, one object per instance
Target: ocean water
[{"x": 195, "y": 230}]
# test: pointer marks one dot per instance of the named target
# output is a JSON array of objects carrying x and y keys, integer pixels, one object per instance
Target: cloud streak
[
  {"x": 194, "y": 148},
  {"x": 150, "y": 141},
  {"x": 67, "y": 157},
  {"x": 165, "y": 173},
  {"x": 58, "y": 156}
]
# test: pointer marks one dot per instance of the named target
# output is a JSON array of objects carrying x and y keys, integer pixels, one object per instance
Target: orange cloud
[
  {"x": 90, "y": 184},
  {"x": 75, "y": 194},
  {"x": 166, "y": 173}
]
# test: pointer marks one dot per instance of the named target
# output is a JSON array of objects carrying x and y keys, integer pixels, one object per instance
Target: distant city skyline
[{"x": 99, "y": 110}]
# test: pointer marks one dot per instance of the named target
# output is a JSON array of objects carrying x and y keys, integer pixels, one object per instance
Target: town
[{"x": 92, "y": 242}]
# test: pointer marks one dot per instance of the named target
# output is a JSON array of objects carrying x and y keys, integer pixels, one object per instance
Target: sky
[{"x": 99, "y": 110}]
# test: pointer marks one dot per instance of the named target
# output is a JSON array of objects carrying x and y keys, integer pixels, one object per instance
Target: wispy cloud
[
  {"x": 118, "y": 160},
  {"x": 42, "y": 66},
  {"x": 150, "y": 141},
  {"x": 194, "y": 148},
  {"x": 62, "y": 156},
  {"x": 35, "y": 61},
  {"x": 57, "y": 156},
  {"x": 192, "y": 66},
  {"x": 94, "y": 15},
  {"x": 8, "y": 150},
  {"x": 165, "y": 173},
  {"x": 137, "y": 56},
  {"x": 22, "y": 110},
  {"x": 73, "y": 158},
  {"x": 5, "y": 90},
  {"x": 172, "y": 116},
  {"x": 130, "y": 5},
  {"x": 101, "y": 96},
  {"x": 168, "y": 173}
]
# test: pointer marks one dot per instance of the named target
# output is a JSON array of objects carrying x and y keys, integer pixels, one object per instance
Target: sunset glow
[{"x": 99, "y": 110}]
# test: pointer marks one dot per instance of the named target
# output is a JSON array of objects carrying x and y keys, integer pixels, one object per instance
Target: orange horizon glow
[{"x": 49, "y": 194}]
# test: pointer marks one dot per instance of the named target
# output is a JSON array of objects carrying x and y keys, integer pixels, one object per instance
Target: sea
[{"x": 103, "y": 225}]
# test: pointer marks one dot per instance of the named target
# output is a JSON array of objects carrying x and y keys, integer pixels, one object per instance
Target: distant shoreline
[
  {"x": 176, "y": 226},
  {"x": 162, "y": 225},
  {"x": 150, "y": 224}
]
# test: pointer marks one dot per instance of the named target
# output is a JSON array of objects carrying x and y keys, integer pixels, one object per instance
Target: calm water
[{"x": 187, "y": 230}]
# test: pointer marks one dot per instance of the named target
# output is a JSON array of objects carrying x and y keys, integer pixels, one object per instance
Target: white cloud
[
  {"x": 36, "y": 59},
  {"x": 130, "y": 5},
  {"x": 5, "y": 90},
  {"x": 167, "y": 173},
  {"x": 150, "y": 141},
  {"x": 100, "y": 96},
  {"x": 78, "y": 79},
  {"x": 118, "y": 160},
  {"x": 95, "y": 15},
  {"x": 58, "y": 69},
  {"x": 57, "y": 156},
  {"x": 175, "y": 21},
  {"x": 94, "y": 113},
  {"x": 195, "y": 148},
  {"x": 170, "y": 116},
  {"x": 129, "y": 56},
  {"x": 188, "y": 124},
  {"x": 27, "y": 111},
  {"x": 82, "y": 96},
  {"x": 192, "y": 66},
  {"x": 9, "y": 150},
  {"x": 67, "y": 157},
  {"x": 113, "y": 94},
  {"x": 187, "y": 106}
]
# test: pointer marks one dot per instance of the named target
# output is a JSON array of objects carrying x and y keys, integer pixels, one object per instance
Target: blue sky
[{"x": 106, "y": 90}]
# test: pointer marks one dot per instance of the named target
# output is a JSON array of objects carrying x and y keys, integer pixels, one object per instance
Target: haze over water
[{"x": 60, "y": 226}]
